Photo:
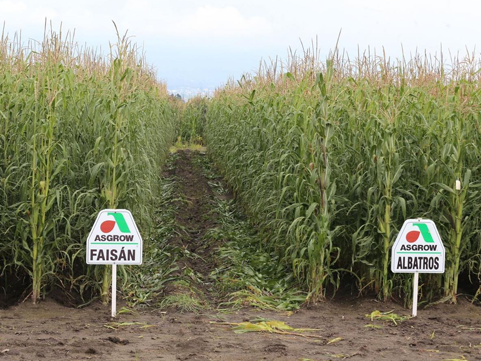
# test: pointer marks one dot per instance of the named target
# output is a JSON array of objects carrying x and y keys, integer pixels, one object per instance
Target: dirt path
[
  {"x": 194, "y": 215},
  {"x": 50, "y": 331}
]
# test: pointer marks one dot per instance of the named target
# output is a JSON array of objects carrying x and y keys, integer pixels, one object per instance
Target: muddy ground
[{"x": 51, "y": 331}]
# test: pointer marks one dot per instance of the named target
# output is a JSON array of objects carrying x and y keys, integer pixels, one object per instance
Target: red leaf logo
[
  {"x": 107, "y": 226},
  {"x": 412, "y": 236}
]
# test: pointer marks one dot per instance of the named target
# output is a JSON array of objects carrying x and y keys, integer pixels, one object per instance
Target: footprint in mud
[
  {"x": 193, "y": 357},
  {"x": 117, "y": 340},
  {"x": 277, "y": 348},
  {"x": 195, "y": 344},
  {"x": 91, "y": 351},
  {"x": 190, "y": 349}
]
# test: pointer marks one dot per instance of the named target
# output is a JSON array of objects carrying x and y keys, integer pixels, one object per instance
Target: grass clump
[{"x": 184, "y": 297}]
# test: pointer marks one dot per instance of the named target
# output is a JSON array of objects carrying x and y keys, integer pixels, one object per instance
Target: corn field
[
  {"x": 79, "y": 133},
  {"x": 329, "y": 159}
]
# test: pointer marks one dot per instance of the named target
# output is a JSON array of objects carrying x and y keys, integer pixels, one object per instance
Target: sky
[{"x": 199, "y": 44}]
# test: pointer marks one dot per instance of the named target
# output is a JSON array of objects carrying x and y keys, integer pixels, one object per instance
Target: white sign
[
  {"x": 114, "y": 239},
  {"x": 418, "y": 248}
]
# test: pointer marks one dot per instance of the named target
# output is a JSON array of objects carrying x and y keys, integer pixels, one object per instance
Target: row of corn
[
  {"x": 78, "y": 133},
  {"x": 329, "y": 159}
]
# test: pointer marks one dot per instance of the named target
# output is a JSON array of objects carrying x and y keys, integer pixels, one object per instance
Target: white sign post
[
  {"x": 418, "y": 249},
  {"x": 114, "y": 239}
]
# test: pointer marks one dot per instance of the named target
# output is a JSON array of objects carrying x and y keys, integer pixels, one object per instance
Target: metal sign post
[
  {"x": 114, "y": 290},
  {"x": 415, "y": 293}
]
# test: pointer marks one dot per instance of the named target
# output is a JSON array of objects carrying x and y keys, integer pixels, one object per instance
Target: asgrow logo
[
  {"x": 119, "y": 220},
  {"x": 413, "y": 236}
]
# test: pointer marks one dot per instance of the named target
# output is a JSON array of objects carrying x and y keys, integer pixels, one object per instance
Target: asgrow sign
[
  {"x": 114, "y": 239},
  {"x": 418, "y": 248}
]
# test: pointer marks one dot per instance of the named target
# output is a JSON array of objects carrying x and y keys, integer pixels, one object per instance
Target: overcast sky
[{"x": 202, "y": 43}]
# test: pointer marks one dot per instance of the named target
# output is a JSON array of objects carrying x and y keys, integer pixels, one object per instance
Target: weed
[{"x": 386, "y": 316}]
